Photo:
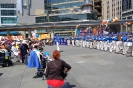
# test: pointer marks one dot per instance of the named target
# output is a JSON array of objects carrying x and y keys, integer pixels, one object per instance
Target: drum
[{"x": 129, "y": 44}]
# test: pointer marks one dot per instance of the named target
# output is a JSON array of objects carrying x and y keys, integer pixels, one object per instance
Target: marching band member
[
  {"x": 94, "y": 41},
  {"x": 132, "y": 44},
  {"x": 124, "y": 41},
  {"x": 129, "y": 45},
  {"x": 76, "y": 41},
  {"x": 80, "y": 42},
  {"x": 87, "y": 42},
  {"x": 72, "y": 41},
  {"x": 84, "y": 42},
  {"x": 68, "y": 41},
  {"x": 98, "y": 42},
  {"x": 114, "y": 42},
  {"x": 106, "y": 42},
  {"x": 90, "y": 41},
  {"x": 119, "y": 44},
  {"x": 102, "y": 43},
  {"x": 110, "y": 44}
]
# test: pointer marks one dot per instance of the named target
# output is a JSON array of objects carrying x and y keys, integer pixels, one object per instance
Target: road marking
[{"x": 81, "y": 62}]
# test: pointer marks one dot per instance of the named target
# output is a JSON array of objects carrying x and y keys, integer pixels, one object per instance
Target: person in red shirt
[{"x": 55, "y": 71}]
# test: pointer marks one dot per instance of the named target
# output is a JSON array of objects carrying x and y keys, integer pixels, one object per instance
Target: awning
[{"x": 11, "y": 33}]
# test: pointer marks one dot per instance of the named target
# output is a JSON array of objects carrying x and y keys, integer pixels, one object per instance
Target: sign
[
  {"x": 17, "y": 37},
  {"x": 44, "y": 36}
]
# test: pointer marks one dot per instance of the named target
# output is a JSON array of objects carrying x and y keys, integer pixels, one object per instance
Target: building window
[
  {"x": 108, "y": 2},
  {"x": 118, "y": 8},
  {"x": 8, "y": 12},
  {"x": 70, "y": 5},
  {"x": 124, "y": 18},
  {"x": 41, "y": 19},
  {"x": 7, "y": 5},
  {"x": 8, "y": 20},
  {"x": 126, "y": 5},
  {"x": 130, "y": 17},
  {"x": 67, "y": 17}
]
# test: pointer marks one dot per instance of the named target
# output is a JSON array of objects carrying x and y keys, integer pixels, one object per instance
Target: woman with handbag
[{"x": 56, "y": 71}]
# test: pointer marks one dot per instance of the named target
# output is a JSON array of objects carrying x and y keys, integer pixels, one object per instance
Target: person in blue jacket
[
  {"x": 124, "y": 42},
  {"x": 34, "y": 60},
  {"x": 94, "y": 41},
  {"x": 90, "y": 42},
  {"x": 110, "y": 43},
  {"x": 102, "y": 42}
]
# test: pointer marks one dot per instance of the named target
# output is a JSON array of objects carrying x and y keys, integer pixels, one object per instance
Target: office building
[
  {"x": 66, "y": 10},
  {"x": 97, "y": 7},
  {"x": 19, "y": 12},
  {"x": 8, "y": 15},
  {"x": 111, "y": 9},
  {"x": 127, "y": 9},
  {"x": 39, "y": 11}
]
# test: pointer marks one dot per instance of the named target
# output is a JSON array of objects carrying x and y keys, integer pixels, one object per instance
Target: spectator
[
  {"x": 14, "y": 49},
  {"x": 24, "y": 51},
  {"x": 3, "y": 45},
  {"x": 55, "y": 71}
]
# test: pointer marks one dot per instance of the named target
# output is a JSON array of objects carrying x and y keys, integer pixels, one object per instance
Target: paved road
[{"x": 90, "y": 69}]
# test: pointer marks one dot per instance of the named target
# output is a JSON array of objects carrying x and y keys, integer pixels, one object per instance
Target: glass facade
[
  {"x": 63, "y": 6},
  {"x": 41, "y": 31},
  {"x": 8, "y": 20},
  {"x": 66, "y": 17},
  {"x": 130, "y": 17},
  {"x": 60, "y": 1},
  {"x": 127, "y": 13},
  {"x": 126, "y": 5},
  {"x": 69, "y": 5},
  {"x": 7, "y": 5},
  {"x": 7, "y": 14},
  {"x": 41, "y": 19},
  {"x": 65, "y": 10}
]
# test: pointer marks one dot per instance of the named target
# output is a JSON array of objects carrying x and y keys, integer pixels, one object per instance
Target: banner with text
[{"x": 44, "y": 36}]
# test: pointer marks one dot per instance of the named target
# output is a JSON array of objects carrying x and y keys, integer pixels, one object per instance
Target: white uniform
[
  {"x": 58, "y": 48},
  {"x": 72, "y": 42}
]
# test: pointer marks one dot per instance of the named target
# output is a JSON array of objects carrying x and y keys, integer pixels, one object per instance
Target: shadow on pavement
[
  {"x": 35, "y": 77},
  {"x": 17, "y": 63},
  {"x": 70, "y": 86},
  {"x": 1, "y": 74}
]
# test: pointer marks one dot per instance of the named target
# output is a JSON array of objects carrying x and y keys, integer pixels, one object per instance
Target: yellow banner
[{"x": 44, "y": 36}]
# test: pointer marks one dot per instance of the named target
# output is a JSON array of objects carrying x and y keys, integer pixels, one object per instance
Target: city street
[{"x": 91, "y": 68}]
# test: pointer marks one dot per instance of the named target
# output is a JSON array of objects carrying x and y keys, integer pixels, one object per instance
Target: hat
[
  {"x": 13, "y": 43},
  {"x": 17, "y": 43},
  {"x": 24, "y": 41}
]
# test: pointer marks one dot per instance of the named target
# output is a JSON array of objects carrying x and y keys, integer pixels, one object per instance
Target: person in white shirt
[{"x": 14, "y": 49}]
